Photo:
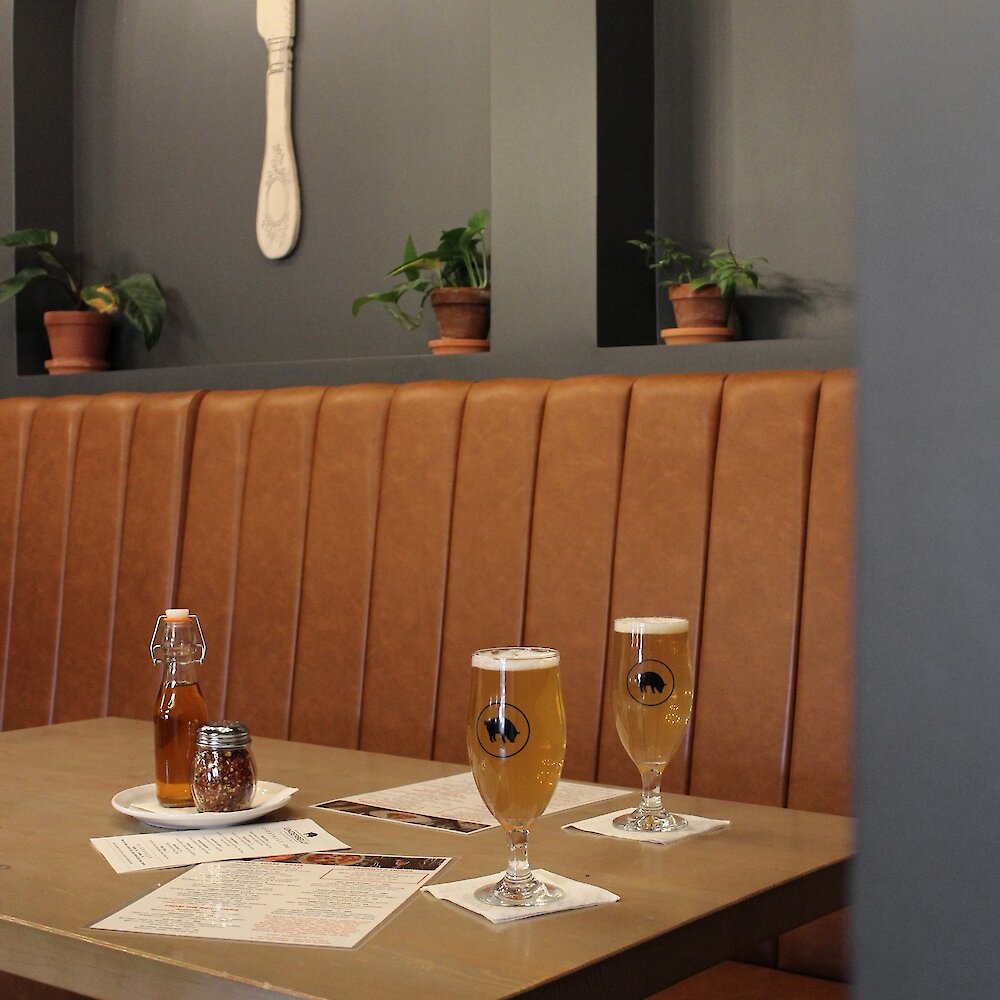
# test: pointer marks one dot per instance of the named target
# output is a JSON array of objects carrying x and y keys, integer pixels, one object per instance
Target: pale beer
[
  {"x": 651, "y": 664},
  {"x": 517, "y": 731}
]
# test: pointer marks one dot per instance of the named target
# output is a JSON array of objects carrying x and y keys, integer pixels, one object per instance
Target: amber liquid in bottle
[
  {"x": 180, "y": 710},
  {"x": 178, "y": 648}
]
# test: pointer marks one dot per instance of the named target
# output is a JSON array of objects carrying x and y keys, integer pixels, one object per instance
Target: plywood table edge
[
  {"x": 642, "y": 970},
  {"x": 34, "y": 952}
]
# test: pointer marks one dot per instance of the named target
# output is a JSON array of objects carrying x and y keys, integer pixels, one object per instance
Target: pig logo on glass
[
  {"x": 502, "y": 729},
  {"x": 650, "y": 683}
]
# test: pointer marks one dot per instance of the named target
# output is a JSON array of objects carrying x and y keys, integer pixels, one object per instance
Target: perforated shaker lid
[{"x": 224, "y": 735}]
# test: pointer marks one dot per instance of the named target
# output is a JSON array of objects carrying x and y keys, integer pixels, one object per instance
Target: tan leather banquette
[{"x": 341, "y": 543}]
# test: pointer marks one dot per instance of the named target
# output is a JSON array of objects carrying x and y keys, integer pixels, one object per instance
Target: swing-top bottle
[{"x": 177, "y": 647}]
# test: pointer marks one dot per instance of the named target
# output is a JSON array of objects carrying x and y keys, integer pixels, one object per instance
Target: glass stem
[
  {"x": 651, "y": 804},
  {"x": 518, "y": 869}
]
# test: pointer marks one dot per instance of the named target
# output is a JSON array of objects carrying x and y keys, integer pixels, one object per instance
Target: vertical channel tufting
[
  {"x": 336, "y": 579},
  {"x": 490, "y": 537},
  {"x": 753, "y": 587},
  {"x": 92, "y": 552},
  {"x": 821, "y": 762},
  {"x": 16, "y": 416},
  {"x": 269, "y": 565},
  {"x": 207, "y": 578},
  {"x": 159, "y": 460},
  {"x": 662, "y": 532},
  {"x": 821, "y": 738},
  {"x": 40, "y": 562},
  {"x": 572, "y": 545},
  {"x": 411, "y": 562}
]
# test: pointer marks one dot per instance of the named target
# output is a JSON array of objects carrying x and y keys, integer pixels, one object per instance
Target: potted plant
[
  {"x": 78, "y": 336},
  {"x": 701, "y": 289},
  {"x": 455, "y": 277}
]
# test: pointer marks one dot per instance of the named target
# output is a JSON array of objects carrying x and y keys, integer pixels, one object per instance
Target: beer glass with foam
[
  {"x": 653, "y": 694},
  {"x": 517, "y": 742}
]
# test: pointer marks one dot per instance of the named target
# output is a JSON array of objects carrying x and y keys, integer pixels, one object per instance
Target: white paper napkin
[
  {"x": 577, "y": 895},
  {"x": 602, "y": 825}
]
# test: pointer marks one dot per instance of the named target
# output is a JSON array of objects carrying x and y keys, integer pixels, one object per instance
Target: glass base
[
  {"x": 524, "y": 892},
  {"x": 639, "y": 821}
]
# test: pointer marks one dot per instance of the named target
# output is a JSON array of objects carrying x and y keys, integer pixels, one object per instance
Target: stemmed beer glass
[
  {"x": 653, "y": 694},
  {"x": 517, "y": 744}
]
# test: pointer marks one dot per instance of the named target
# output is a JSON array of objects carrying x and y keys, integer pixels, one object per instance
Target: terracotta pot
[
  {"x": 702, "y": 307},
  {"x": 696, "y": 334},
  {"x": 458, "y": 345},
  {"x": 463, "y": 314},
  {"x": 78, "y": 340}
]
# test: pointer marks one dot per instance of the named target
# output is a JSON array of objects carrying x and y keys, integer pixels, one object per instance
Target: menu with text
[
  {"x": 150, "y": 851},
  {"x": 331, "y": 903}
]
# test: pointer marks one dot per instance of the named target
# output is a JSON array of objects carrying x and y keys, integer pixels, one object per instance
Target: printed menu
[
  {"x": 331, "y": 900},
  {"x": 453, "y": 803},
  {"x": 150, "y": 851}
]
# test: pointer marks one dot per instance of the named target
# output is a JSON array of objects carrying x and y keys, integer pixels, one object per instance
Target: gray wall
[
  {"x": 8, "y": 344},
  {"x": 167, "y": 171},
  {"x": 756, "y": 144},
  {"x": 169, "y": 141},
  {"x": 928, "y": 883}
]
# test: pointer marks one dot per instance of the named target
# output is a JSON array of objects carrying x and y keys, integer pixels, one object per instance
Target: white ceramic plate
[{"x": 140, "y": 803}]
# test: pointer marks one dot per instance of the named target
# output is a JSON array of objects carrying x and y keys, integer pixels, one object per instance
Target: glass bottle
[{"x": 177, "y": 647}]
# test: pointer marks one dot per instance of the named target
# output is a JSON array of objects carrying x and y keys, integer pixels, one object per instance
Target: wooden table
[{"x": 683, "y": 908}]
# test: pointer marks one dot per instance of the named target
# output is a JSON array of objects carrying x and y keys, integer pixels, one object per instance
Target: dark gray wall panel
[
  {"x": 737, "y": 357},
  {"x": 43, "y": 56},
  {"x": 8, "y": 353},
  {"x": 928, "y": 885},
  {"x": 626, "y": 170}
]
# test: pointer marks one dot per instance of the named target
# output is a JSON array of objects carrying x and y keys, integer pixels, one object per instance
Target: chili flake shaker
[{"x": 224, "y": 774}]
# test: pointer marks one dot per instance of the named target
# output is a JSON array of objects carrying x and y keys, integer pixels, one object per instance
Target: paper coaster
[
  {"x": 577, "y": 896},
  {"x": 602, "y": 825}
]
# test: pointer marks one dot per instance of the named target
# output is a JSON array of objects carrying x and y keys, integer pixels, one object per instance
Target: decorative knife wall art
[{"x": 278, "y": 201}]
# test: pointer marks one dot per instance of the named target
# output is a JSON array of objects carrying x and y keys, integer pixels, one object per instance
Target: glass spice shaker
[{"x": 223, "y": 775}]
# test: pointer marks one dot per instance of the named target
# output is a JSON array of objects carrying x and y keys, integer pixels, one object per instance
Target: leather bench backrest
[
  {"x": 347, "y": 548},
  {"x": 91, "y": 511}
]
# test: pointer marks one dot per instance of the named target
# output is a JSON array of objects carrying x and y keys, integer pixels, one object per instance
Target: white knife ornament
[{"x": 278, "y": 204}]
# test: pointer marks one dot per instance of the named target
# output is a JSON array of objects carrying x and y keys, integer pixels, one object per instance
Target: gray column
[
  {"x": 42, "y": 87},
  {"x": 544, "y": 173},
  {"x": 928, "y": 785},
  {"x": 8, "y": 359}
]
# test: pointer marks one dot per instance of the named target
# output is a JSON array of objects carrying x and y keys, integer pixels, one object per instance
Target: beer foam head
[
  {"x": 651, "y": 626},
  {"x": 515, "y": 658}
]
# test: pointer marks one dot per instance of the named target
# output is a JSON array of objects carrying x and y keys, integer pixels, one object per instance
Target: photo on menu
[
  {"x": 400, "y": 816},
  {"x": 395, "y": 862}
]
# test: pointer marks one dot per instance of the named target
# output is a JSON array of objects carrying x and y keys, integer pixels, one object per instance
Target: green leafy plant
[
  {"x": 720, "y": 267},
  {"x": 138, "y": 298},
  {"x": 460, "y": 260}
]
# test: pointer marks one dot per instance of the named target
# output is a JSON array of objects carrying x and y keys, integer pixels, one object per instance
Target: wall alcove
[{"x": 756, "y": 145}]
